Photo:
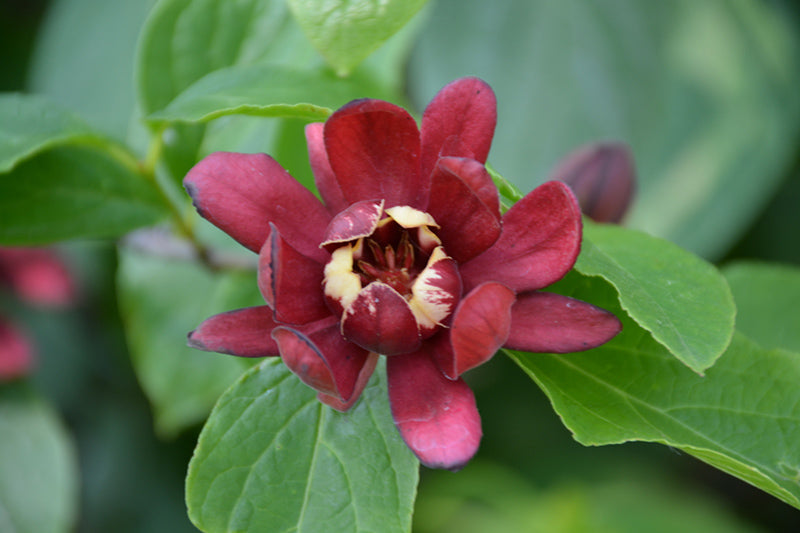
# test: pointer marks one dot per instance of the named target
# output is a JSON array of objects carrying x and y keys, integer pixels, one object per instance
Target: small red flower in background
[
  {"x": 408, "y": 257},
  {"x": 38, "y": 277}
]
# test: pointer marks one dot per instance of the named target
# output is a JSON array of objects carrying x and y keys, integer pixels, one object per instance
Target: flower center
[{"x": 392, "y": 265}]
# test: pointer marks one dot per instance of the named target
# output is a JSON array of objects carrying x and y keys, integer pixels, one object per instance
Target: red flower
[{"x": 408, "y": 257}]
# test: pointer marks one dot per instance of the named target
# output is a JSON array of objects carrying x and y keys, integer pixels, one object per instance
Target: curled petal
[
  {"x": 459, "y": 121},
  {"x": 480, "y": 326},
  {"x": 243, "y": 332},
  {"x": 408, "y": 217},
  {"x": 324, "y": 178},
  {"x": 436, "y": 417},
  {"x": 361, "y": 382},
  {"x": 242, "y": 193},
  {"x": 435, "y": 292},
  {"x": 468, "y": 225},
  {"x": 539, "y": 244},
  {"x": 321, "y": 358},
  {"x": 290, "y": 282},
  {"x": 358, "y": 220},
  {"x": 475, "y": 175},
  {"x": 373, "y": 148},
  {"x": 552, "y": 323},
  {"x": 380, "y": 320}
]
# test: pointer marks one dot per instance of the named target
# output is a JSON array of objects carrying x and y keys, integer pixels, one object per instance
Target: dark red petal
[
  {"x": 242, "y": 193},
  {"x": 373, "y": 148},
  {"x": 474, "y": 174},
  {"x": 468, "y": 226},
  {"x": 324, "y": 178},
  {"x": 437, "y": 417},
  {"x": 459, "y": 121},
  {"x": 358, "y": 220},
  {"x": 540, "y": 242},
  {"x": 290, "y": 282},
  {"x": 243, "y": 332},
  {"x": 361, "y": 382},
  {"x": 380, "y": 320},
  {"x": 321, "y": 357},
  {"x": 546, "y": 322},
  {"x": 479, "y": 328},
  {"x": 603, "y": 177},
  {"x": 16, "y": 352}
]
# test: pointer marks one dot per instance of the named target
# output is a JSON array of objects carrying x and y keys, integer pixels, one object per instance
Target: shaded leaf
[
  {"x": 181, "y": 383},
  {"x": 38, "y": 467},
  {"x": 683, "y": 301},
  {"x": 767, "y": 297},
  {"x": 271, "y": 456},
  {"x": 74, "y": 192},
  {"x": 743, "y": 417},
  {"x": 346, "y": 32}
]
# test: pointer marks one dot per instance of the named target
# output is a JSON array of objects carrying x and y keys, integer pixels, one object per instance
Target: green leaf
[
  {"x": 72, "y": 68},
  {"x": 38, "y": 467},
  {"x": 704, "y": 92},
  {"x": 682, "y": 300},
  {"x": 767, "y": 297},
  {"x": 30, "y": 124},
  {"x": 346, "y": 32},
  {"x": 161, "y": 301},
  {"x": 262, "y": 90},
  {"x": 183, "y": 40},
  {"x": 74, "y": 192},
  {"x": 273, "y": 457},
  {"x": 743, "y": 417}
]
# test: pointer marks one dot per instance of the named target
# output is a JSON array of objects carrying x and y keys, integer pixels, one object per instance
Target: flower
[
  {"x": 16, "y": 353},
  {"x": 602, "y": 176},
  {"x": 408, "y": 257}
]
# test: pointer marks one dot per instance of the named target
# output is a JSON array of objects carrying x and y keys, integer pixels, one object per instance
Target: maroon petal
[
  {"x": 16, "y": 352},
  {"x": 321, "y": 357},
  {"x": 437, "y": 417},
  {"x": 358, "y": 220},
  {"x": 242, "y": 193},
  {"x": 373, "y": 148},
  {"x": 290, "y": 282},
  {"x": 324, "y": 178},
  {"x": 474, "y": 174},
  {"x": 243, "y": 332},
  {"x": 459, "y": 121},
  {"x": 479, "y": 328},
  {"x": 546, "y": 322},
  {"x": 361, "y": 382},
  {"x": 539, "y": 244},
  {"x": 380, "y": 320},
  {"x": 467, "y": 225}
]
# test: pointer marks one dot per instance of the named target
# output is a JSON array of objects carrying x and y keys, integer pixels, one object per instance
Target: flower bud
[
  {"x": 603, "y": 178},
  {"x": 16, "y": 353}
]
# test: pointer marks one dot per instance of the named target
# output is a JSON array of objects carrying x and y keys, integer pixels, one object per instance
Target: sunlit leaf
[{"x": 272, "y": 457}]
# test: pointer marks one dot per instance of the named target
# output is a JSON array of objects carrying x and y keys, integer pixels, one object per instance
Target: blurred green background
[{"x": 704, "y": 92}]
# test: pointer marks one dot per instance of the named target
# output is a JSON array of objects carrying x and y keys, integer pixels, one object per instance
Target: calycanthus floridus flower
[{"x": 408, "y": 257}]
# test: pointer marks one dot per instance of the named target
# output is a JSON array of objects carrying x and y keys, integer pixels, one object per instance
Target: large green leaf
[
  {"x": 181, "y": 383},
  {"x": 346, "y": 32},
  {"x": 705, "y": 92},
  {"x": 743, "y": 417},
  {"x": 38, "y": 467},
  {"x": 90, "y": 70},
  {"x": 683, "y": 301},
  {"x": 74, "y": 192},
  {"x": 31, "y": 124},
  {"x": 183, "y": 40},
  {"x": 273, "y": 458},
  {"x": 767, "y": 297},
  {"x": 263, "y": 90}
]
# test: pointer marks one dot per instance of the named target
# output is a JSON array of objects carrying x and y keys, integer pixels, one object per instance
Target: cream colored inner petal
[
  {"x": 341, "y": 283},
  {"x": 408, "y": 217},
  {"x": 430, "y": 303}
]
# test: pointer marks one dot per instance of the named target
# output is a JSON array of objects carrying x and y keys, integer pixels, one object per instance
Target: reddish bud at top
[{"x": 603, "y": 177}]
